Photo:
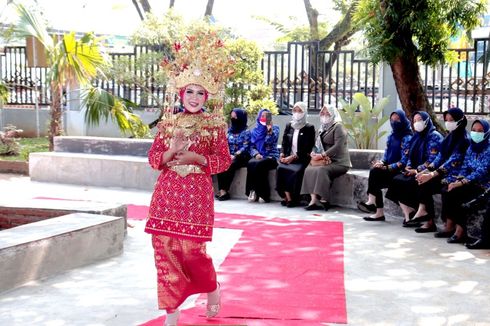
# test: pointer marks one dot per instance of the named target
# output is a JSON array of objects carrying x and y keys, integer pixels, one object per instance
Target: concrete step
[
  {"x": 102, "y": 145},
  {"x": 45, "y": 248},
  {"x": 93, "y": 170},
  {"x": 15, "y": 213}
]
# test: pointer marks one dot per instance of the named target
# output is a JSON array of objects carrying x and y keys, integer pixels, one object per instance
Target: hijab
[
  {"x": 399, "y": 129},
  {"x": 458, "y": 139},
  {"x": 481, "y": 146},
  {"x": 334, "y": 113},
  {"x": 259, "y": 133},
  {"x": 298, "y": 124},
  {"x": 240, "y": 123},
  {"x": 420, "y": 139}
]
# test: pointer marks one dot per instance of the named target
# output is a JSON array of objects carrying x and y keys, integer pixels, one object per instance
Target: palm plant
[
  {"x": 73, "y": 62},
  {"x": 362, "y": 120}
]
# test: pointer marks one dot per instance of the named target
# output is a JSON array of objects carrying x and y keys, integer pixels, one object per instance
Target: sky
[{"x": 120, "y": 16}]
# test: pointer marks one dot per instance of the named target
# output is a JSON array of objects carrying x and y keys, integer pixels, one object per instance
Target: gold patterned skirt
[{"x": 183, "y": 269}]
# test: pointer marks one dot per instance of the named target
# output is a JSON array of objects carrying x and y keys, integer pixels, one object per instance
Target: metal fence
[{"x": 302, "y": 72}]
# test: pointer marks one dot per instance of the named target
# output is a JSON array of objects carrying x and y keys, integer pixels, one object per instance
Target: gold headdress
[{"x": 200, "y": 59}]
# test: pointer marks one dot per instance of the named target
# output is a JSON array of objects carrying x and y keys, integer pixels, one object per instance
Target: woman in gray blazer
[{"x": 329, "y": 159}]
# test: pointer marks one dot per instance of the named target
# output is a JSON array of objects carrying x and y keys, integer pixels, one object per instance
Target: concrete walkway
[{"x": 393, "y": 276}]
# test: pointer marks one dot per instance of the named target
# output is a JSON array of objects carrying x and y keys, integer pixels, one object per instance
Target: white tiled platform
[{"x": 393, "y": 276}]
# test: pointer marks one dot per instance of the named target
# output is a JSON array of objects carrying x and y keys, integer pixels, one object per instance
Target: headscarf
[
  {"x": 420, "y": 139},
  {"x": 240, "y": 123},
  {"x": 334, "y": 113},
  {"x": 259, "y": 133},
  {"x": 398, "y": 131},
  {"x": 458, "y": 139},
  {"x": 298, "y": 124},
  {"x": 481, "y": 146}
]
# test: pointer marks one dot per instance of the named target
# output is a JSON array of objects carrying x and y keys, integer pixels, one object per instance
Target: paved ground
[{"x": 393, "y": 276}]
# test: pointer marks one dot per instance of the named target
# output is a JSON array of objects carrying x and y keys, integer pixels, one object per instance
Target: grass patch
[{"x": 28, "y": 145}]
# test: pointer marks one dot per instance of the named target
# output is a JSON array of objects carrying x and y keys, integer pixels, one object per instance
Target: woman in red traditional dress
[{"x": 189, "y": 147}]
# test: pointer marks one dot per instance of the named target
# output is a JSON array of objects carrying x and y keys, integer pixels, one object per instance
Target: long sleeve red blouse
[{"x": 183, "y": 206}]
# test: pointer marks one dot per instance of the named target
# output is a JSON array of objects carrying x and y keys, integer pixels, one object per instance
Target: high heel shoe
[
  {"x": 213, "y": 309},
  {"x": 172, "y": 319}
]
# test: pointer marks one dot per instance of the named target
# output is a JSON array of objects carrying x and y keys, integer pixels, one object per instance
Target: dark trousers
[
  {"x": 258, "y": 176},
  {"x": 425, "y": 192},
  {"x": 378, "y": 180},
  {"x": 403, "y": 189},
  {"x": 485, "y": 228},
  {"x": 452, "y": 201},
  {"x": 289, "y": 177},
  {"x": 226, "y": 178}
]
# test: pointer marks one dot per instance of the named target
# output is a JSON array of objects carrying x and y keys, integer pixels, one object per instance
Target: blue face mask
[{"x": 477, "y": 137}]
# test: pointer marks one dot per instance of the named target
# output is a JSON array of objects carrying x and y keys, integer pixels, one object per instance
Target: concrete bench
[{"x": 37, "y": 250}]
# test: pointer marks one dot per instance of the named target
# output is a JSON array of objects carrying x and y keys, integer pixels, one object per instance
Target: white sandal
[{"x": 213, "y": 309}]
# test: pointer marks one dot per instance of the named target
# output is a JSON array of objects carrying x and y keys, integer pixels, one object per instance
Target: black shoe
[
  {"x": 363, "y": 207},
  {"x": 224, "y": 197},
  {"x": 410, "y": 224},
  {"x": 478, "y": 244},
  {"x": 431, "y": 228},
  {"x": 293, "y": 203},
  {"x": 284, "y": 202},
  {"x": 374, "y": 219},
  {"x": 443, "y": 234},
  {"x": 423, "y": 218},
  {"x": 455, "y": 239},
  {"x": 314, "y": 207},
  {"x": 325, "y": 204}
]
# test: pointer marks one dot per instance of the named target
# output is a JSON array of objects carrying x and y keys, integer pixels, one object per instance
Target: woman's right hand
[{"x": 178, "y": 143}]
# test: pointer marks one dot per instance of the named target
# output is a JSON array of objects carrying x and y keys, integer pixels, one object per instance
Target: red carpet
[{"x": 280, "y": 272}]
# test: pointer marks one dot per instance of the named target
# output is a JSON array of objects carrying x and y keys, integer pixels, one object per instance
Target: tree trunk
[
  {"x": 341, "y": 29},
  {"x": 209, "y": 8},
  {"x": 55, "y": 124},
  {"x": 312, "y": 14},
  {"x": 408, "y": 84},
  {"x": 146, "y": 6},
  {"x": 172, "y": 4}
]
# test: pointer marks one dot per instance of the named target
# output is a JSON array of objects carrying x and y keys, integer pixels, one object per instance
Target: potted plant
[{"x": 363, "y": 121}]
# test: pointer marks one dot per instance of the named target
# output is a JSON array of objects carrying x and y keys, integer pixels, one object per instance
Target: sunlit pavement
[{"x": 393, "y": 276}]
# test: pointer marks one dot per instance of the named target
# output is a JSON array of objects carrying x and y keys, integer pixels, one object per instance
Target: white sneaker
[{"x": 252, "y": 196}]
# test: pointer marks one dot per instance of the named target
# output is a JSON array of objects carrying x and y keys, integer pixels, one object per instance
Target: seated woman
[
  {"x": 470, "y": 181},
  {"x": 239, "y": 145},
  {"x": 482, "y": 201},
  {"x": 297, "y": 142},
  {"x": 382, "y": 172},
  {"x": 449, "y": 159},
  {"x": 424, "y": 147},
  {"x": 265, "y": 154},
  {"x": 329, "y": 159}
]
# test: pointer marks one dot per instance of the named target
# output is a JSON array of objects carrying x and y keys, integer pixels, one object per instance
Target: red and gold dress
[{"x": 181, "y": 214}]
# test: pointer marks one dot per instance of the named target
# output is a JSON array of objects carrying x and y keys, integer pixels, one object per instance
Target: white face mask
[
  {"x": 325, "y": 120},
  {"x": 451, "y": 125},
  {"x": 263, "y": 123},
  {"x": 419, "y": 126},
  {"x": 298, "y": 116}
]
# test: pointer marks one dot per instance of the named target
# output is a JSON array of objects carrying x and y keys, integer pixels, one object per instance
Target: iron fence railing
[{"x": 301, "y": 72}]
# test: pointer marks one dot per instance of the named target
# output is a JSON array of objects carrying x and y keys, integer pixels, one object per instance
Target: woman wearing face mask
[
  {"x": 329, "y": 159},
  {"x": 297, "y": 143},
  {"x": 449, "y": 159},
  {"x": 468, "y": 182},
  {"x": 382, "y": 172},
  {"x": 239, "y": 145},
  {"x": 265, "y": 154},
  {"x": 424, "y": 147}
]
